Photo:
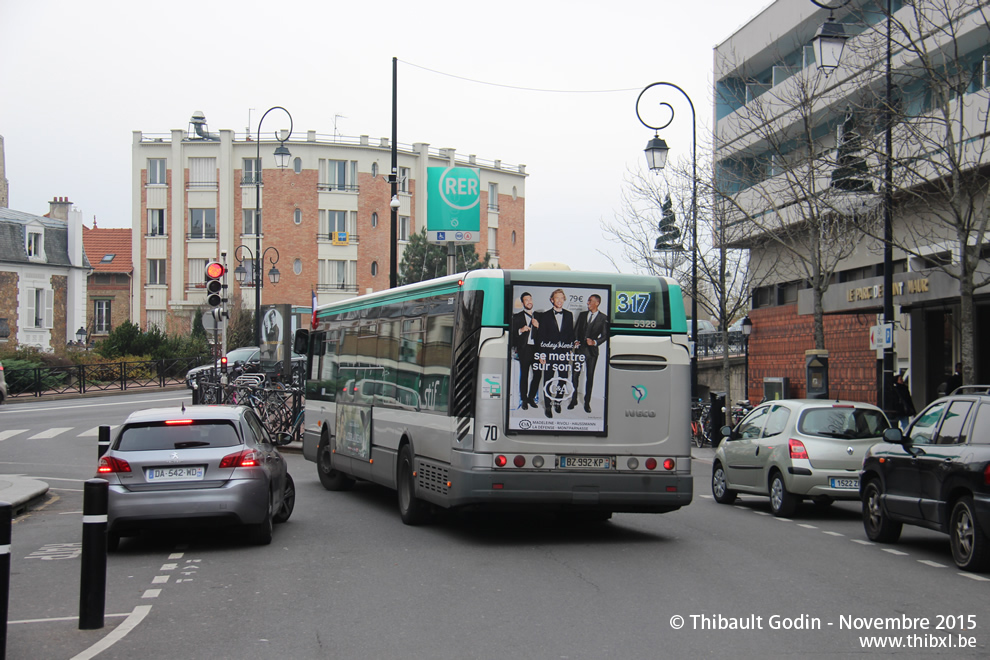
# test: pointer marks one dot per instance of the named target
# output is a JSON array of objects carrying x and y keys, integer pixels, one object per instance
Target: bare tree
[{"x": 939, "y": 125}]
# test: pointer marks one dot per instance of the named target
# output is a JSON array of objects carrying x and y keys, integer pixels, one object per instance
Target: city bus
[{"x": 531, "y": 389}]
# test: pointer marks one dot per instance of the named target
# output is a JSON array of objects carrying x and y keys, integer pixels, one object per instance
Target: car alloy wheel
[
  {"x": 878, "y": 526},
  {"x": 720, "y": 487},
  {"x": 782, "y": 503},
  {"x": 969, "y": 543}
]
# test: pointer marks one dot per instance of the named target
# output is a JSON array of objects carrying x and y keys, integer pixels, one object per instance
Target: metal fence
[
  {"x": 280, "y": 408},
  {"x": 114, "y": 376},
  {"x": 710, "y": 344}
]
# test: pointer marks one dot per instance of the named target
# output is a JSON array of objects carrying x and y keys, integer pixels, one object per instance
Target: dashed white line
[
  {"x": 168, "y": 567},
  {"x": 785, "y": 519},
  {"x": 933, "y": 564},
  {"x": 973, "y": 576},
  {"x": 832, "y": 533},
  {"x": 151, "y": 593},
  {"x": 895, "y": 552},
  {"x": 159, "y": 579},
  {"x": 862, "y": 542},
  {"x": 807, "y": 526}
]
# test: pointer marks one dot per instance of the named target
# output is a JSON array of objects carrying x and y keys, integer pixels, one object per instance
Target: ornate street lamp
[
  {"x": 282, "y": 156},
  {"x": 656, "y": 158}
]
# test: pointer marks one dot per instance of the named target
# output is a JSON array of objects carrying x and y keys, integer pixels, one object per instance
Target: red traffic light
[{"x": 214, "y": 271}]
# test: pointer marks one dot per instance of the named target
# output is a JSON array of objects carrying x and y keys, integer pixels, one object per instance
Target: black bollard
[
  {"x": 93, "y": 580},
  {"x": 5, "y": 516},
  {"x": 104, "y": 443}
]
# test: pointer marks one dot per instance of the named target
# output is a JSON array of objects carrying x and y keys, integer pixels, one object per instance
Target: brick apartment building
[
  {"x": 109, "y": 285},
  {"x": 327, "y": 214}
]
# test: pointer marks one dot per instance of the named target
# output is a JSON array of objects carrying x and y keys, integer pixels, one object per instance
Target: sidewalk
[{"x": 21, "y": 492}]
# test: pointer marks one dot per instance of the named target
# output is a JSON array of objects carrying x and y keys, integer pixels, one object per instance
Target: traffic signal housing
[{"x": 214, "y": 284}]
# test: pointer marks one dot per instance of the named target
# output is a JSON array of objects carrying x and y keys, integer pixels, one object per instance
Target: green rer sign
[{"x": 453, "y": 204}]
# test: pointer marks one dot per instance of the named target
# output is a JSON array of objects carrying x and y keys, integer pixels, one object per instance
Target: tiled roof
[{"x": 99, "y": 243}]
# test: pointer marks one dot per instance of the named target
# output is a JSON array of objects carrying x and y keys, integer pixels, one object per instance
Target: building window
[
  {"x": 493, "y": 197},
  {"x": 107, "y": 259},
  {"x": 251, "y": 172},
  {"x": 156, "y": 222},
  {"x": 156, "y": 319},
  {"x": 297, "y": 165},
  {"x": 202, "y": 172},
  {"x": 252, "y": 221},
  {"x": 297, "y": 216},
  {"x": 338, "y": 274},
  {"x": 404, "y": 179},
  {"x": 101, "y": 317},
  {"x": 337, "y": 175},
  {"x": 332, "y": 221},
  {"x": 374, "y": 220},
  {"x": 34, "y": 244},
  {"x": 493, "y": 240},
  {"x": 297, "y": 266},
  {"x": 197, "y": 273},
  {"x": 374, "y": 170},
  {"x": 513, "y": 238},
  {"x": 156, "y": 171},
  {"x": 403, "y": 227},
  {"x": 156, "y": 272},
  {"x": 374, "y": 269},
  {"x": 202, "y": 223},
  {"x": 41, "y": 308}
]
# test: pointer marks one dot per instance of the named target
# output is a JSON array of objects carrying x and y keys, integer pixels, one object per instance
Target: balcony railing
[
  {"x": 340, "y": 287},
  {"x": 337, "y": 187},
  {"x": 202, "y": 235}
]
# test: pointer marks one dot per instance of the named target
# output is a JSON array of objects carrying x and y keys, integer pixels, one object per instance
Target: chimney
[{"x": 59, "y": 208}]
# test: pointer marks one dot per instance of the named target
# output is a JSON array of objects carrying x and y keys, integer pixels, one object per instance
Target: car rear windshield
[
  {"x": 197, "y": 435},
  {"x": 841, "y": 422}
]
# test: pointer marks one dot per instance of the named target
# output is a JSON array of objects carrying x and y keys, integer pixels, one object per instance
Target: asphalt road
[{"x": 344, "y": 578}]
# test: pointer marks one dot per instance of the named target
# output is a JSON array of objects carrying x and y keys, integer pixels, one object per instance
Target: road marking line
[
  {"x": 933, "y": 564},
  {"x": 168, "y": 567},
  {"x": 761, "y": 513},
  {"x": 973, "y": 576},
  {"x": 807, "y": 526},
  {"x": 96, "y": 431},
  {"x": 895, "y": 552},
  {"x": 862, "y": 542},
  {"x": 151, "y": 593},
  {"x": 10, "y": 433},
  {"x": 833, "y": 533},
  {"x": 176, "y": 555},
  {"x": 785, "y": 519},
  {"x": 50, "y": 433},
  {"x": 159, "y": 579},
  {"x": 69, "y": 618},
  {"x": 117, "y": 634}
]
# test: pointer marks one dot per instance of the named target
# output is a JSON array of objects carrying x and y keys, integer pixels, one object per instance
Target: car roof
[
  {"x": 825, "y": 403},
  {"x": 224, "y": 413}
]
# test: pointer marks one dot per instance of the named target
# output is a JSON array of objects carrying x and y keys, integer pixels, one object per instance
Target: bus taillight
[
  {"x": 668, "y": 464},
  {"x": 651, "y": 464},
  {"x": 519, "y": 461},
  {"x": 500, "y": 461}
]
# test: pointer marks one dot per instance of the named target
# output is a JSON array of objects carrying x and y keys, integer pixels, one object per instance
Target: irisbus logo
[{"x": 639, "y": 393}]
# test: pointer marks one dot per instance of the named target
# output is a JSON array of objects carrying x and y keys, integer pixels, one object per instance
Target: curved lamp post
[
  {"x": 656, "y": 158},
  {"x": 282, "y": 157}
]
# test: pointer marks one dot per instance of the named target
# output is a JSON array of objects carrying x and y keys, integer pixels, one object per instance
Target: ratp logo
[{"x": 639, "y": 393}]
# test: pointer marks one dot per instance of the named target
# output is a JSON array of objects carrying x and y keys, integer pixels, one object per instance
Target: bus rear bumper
[{"x": 601, "y": 491}]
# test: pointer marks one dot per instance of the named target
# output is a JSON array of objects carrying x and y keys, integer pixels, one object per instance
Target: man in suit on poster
[
  {"x": 524, "y": 328},
  {"x": 554, "y": 340},
  {"x": 591, "y": 331}
]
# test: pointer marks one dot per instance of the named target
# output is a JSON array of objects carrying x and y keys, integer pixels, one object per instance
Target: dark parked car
[
  {"x": 250, "y": 358},
  {"x": 937, "y": 475},
  {"x": 203, "y": 466}
]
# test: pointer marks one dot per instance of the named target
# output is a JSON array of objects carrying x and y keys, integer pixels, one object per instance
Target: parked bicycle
[{"x": 701, "y": 423}]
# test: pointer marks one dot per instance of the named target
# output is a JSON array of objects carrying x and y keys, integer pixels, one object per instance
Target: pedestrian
[
  {"x": 903, "y": 405},
  {"x": 955, "y": 380}
]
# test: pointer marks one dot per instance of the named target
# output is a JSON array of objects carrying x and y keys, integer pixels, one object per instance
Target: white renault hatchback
[{"x": 793, "y": 449}]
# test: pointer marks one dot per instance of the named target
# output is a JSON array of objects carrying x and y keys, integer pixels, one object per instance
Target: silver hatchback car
[
  {"x": 794, "y": 449},
  {"x": 200, "y": 466}
]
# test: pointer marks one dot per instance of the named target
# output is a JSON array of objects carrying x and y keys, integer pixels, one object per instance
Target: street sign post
[
  {"x": 881, "y": 336},
  {"x": 453, "y": 205}
]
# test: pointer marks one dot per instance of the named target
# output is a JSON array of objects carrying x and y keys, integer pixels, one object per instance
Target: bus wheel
[
  {"x": 330, "y": 478},
  {"x": 412, "y": 510}
]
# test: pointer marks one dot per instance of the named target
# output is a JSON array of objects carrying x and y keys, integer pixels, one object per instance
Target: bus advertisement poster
[{"x": 557, "y": 383}]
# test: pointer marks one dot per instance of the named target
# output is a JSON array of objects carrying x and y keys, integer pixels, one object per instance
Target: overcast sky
[{"x": 77, "y": 77}]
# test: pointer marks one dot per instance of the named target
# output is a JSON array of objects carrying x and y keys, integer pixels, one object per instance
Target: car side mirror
[
  {"x": 283, "y": 438},
  {"x": 726, "y": 432},
  {"x": 894, "y": 436}
]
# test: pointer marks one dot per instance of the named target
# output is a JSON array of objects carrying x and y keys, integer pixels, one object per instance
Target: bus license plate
[
  {"x": 586, "y": 462},
  {"x": 846, "y": 483},
  {"x": 186, "y": 473}
]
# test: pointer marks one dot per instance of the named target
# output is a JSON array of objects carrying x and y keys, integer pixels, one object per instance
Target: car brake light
[
  {"x": 109, "y": 464},
  {"x": 170, "y": 422},
  {"x": 797, "y": 449},
  {"x": 245, "y": 458},
  {"x": 986, "y": 475}
]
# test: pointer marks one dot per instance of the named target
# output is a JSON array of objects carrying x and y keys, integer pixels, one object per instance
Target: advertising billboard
[{"x": 558, "y": 355}]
